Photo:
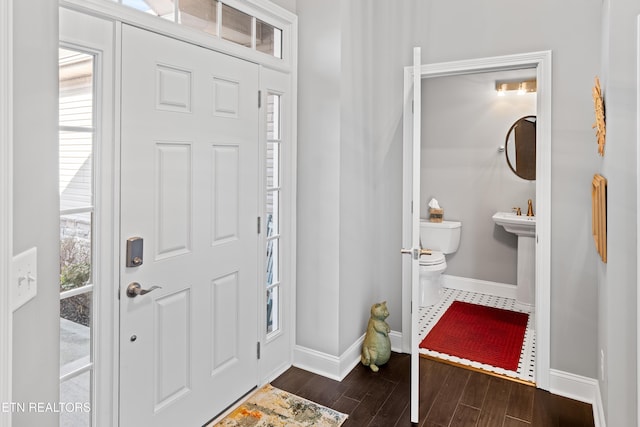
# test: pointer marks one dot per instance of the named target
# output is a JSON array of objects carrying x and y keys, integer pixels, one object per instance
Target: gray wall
[
  {"x": 349, "y": 167},
  {"x": 36, "y": 325},
  {"x": 290, "y": 5},
  {"x": 336, "y": 284},
  {"x": 484, "y": 29},
  {"x": 500, "y": 28},
  {"x": 318, "y": 213},
  {"x": 463, "y": 124},
  {"x": 357, "y": 191},
  {"x": 617, "y": 282}
]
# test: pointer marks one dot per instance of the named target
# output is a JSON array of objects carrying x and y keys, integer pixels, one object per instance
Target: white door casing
[
  {"x": 541, "y": 61},
  {"x": 6, "y": 203},
  {"x": 94, "y": 35},
  {"x": 189, "y": 188},
  {"x": 638, "y": 209}
]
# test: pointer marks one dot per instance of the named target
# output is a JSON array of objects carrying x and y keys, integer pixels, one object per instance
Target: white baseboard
[
  {"x": 317, "y": 362},
  {"x": 327, "y": 365},
  {"x": 497, "y": 289},
  {"x": 335, "y": 367},
  {"x": 583, "y": 389},
  {"x": 396, "y": 341},
  {"x": 275, "y": 374}
]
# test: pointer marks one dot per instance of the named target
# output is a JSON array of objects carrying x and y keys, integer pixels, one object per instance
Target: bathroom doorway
[
  {"x": 538, "y": 66},
  {"x": 467, "y": 128}
]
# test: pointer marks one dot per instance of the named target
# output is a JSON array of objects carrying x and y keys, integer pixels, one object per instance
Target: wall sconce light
[{"x": 522, "y": 87}]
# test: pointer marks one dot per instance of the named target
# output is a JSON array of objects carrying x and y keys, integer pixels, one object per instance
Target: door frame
[
  {"x": 97, "y": 41},
  {"x": 6, "y": 204},
  {"x": 541, "y": 61},
  {"x": 638, "y": 210},
  {"x": 107, "y": 406}
]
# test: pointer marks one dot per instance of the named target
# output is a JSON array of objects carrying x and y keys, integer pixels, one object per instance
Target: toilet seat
[{"x": 435, "y": 258}]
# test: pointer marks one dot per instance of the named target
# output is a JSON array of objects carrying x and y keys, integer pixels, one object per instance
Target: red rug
[{"x": 488, "y": 335}]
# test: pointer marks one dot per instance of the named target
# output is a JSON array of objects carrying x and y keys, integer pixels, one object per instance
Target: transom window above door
[{"x": 218, "y": 19}]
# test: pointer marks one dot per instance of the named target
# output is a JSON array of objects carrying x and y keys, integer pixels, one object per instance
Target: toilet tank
[{"x": 440, "y": 236}]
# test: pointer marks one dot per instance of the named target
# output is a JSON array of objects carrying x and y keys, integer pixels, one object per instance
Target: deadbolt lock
[{"x": 134, "y": 251}]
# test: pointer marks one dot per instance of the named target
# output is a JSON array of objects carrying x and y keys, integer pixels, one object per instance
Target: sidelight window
[
  {"x": 77, "y": 267},
  {"x": 273, "y": 200}
]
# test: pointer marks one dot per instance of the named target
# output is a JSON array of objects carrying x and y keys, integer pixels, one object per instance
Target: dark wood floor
[{"x": 449, "y": 397}]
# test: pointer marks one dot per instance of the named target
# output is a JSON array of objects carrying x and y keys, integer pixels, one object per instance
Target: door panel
[
  {"x": 415, "y": 231},
  {"x": 189, "y": 188}
]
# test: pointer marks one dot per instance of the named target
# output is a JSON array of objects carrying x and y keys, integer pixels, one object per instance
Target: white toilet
[{"x": 442, "y": 238}]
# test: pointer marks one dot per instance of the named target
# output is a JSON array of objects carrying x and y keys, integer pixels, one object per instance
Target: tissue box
[{"x": 435, "y": 215}]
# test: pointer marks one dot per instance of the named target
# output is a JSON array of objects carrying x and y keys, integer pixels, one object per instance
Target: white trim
[
  {"x": 293, "y": 183},
  {"x": 638, "y": 218},
  {"x": 318, "y": 362},
  {"x": 543, "y": 225},
  {"x": 578, "y": 388},
  {"x": 99, "y": 41},
  {"x": 396, "y": 341},
  {"x": 495, "y": 289},
  {"x": 117, "y": 116},
  {"x": 337, "y": 367},
  {"x": 6, "y": 204},
  {"x": 542, "y": 62}
]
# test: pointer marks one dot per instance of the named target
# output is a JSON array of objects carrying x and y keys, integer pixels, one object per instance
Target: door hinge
[
  {"x": 412, "y": 111},
  {"x": 259, "y": 225},
  {"x": 258, "y": 350},
  {"x": 259, "y": 99}
]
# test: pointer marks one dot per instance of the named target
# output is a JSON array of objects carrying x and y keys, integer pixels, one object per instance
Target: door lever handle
[
  {"x": 416, "y": 252},
  {"x": 134, "y": 289}
]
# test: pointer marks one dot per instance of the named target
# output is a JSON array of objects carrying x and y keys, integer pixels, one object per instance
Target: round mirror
[{"x": 520, "y": 147}]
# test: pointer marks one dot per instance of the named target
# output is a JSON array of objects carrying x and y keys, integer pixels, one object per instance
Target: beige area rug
[{"x": 272, "y": 407}]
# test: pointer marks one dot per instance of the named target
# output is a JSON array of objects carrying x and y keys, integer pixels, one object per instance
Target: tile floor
[{"x": 429, "y": 316}]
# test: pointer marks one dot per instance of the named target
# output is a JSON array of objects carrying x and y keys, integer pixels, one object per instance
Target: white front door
[{"x": 189, "y": 189}]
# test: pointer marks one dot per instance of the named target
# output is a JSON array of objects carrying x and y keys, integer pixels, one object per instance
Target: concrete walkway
[{"x": 75, "y": 350}]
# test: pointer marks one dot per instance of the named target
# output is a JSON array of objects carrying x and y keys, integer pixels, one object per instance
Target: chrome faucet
[
  {"x": 530, "y": 208},
  {"x": 517, "y": 211}
]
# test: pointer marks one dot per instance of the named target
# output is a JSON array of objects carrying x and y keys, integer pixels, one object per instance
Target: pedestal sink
[{"x": 525, "y": 228}]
